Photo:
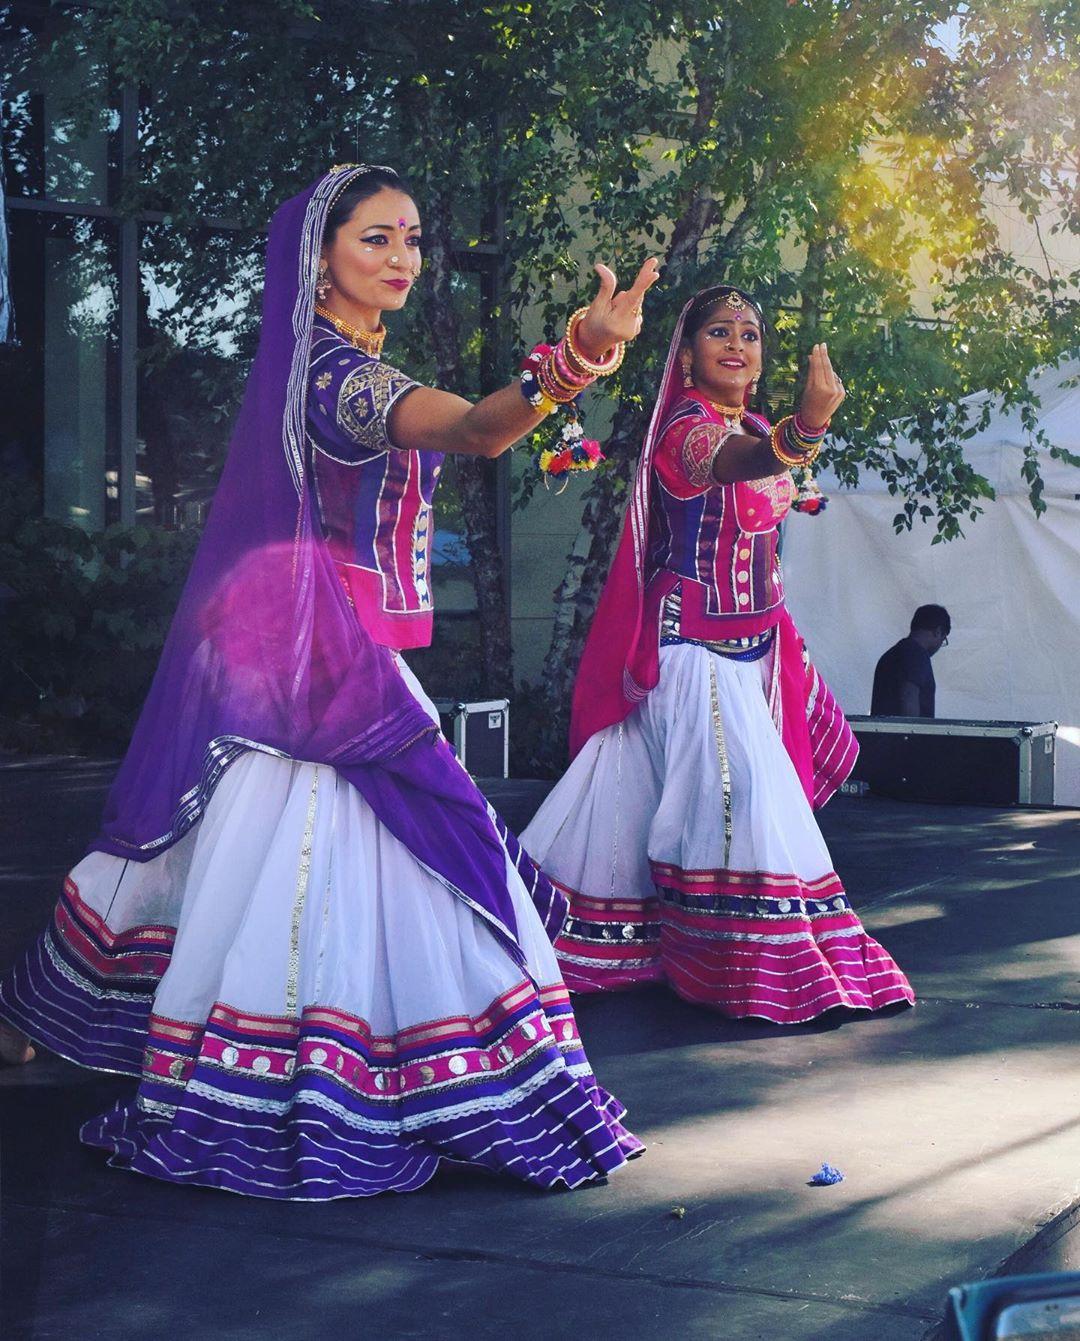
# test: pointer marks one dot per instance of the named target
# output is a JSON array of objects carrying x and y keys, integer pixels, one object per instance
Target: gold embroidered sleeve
[
  {"x": 365, "y": 399},
  {"x": 700, "y": 448}
]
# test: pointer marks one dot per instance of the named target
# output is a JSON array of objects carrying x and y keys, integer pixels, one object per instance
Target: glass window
[
  {"x": 58, "y": 382},
  {"x": 196, "y": 332},
  {"x": 58, "y": 374},
  {"x": 47, "y": 153}
]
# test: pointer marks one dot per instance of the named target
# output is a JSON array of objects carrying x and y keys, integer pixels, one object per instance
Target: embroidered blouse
[
  {"x": 717, "y": 542},
  {"x": 374, "y": 498}
]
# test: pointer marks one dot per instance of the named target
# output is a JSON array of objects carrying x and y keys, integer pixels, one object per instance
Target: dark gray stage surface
[{"x": 957, "y": 1125}]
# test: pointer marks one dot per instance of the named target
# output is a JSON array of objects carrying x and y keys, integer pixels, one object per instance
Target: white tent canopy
[{"x": 1011, "y": 584}]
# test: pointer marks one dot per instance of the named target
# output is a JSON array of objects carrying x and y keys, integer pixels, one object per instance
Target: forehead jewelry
[
  {"x": 402, "y": 223},
  {"x": 734, "y": 300}
]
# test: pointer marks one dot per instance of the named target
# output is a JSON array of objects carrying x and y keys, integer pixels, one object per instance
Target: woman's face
[
  {"x": 725, "y": 353},
  {"x": 374, "y": 258}
]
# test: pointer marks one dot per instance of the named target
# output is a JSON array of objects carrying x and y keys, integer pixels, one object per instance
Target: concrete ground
[{"x": 957, "y": 1126}]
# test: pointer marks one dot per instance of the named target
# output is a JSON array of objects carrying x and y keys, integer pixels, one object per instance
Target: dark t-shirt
[{"x": 906, "y": 662}]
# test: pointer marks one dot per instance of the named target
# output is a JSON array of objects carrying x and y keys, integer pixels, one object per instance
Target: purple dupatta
[{"x": 266, "y": 653}]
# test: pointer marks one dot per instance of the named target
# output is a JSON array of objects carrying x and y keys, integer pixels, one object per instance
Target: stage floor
[{"x": 956, "y": 1124}]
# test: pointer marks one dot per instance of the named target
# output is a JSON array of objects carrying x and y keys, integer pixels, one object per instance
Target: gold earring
[
  {"x": 687, "y": 376},
  {"x": 753, "y": 387},
  {"x": 322, "y": 284}
]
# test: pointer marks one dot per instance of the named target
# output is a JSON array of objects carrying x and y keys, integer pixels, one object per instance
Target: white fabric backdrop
[{"x": 1011, "y": 585}]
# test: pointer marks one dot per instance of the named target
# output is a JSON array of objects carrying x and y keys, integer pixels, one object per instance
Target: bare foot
[{"x": 15, "y": 1047}]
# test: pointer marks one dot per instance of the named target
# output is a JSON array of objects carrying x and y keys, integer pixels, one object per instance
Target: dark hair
[
  {"x": 931, "y": 617},
  {"x": 361, "y": 188}
]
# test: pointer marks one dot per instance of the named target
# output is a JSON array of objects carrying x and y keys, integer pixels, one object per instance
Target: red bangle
[{"x": 805, "y": 432}]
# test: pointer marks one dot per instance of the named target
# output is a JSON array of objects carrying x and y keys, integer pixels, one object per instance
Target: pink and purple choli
[
  {"x": 716, "y": 547},
  {"x": 375, "y": 501}
]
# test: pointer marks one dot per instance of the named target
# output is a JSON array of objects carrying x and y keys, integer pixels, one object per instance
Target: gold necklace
[
  {"x": 371, "y": 342},
  {"x": 728, "y": 411}
]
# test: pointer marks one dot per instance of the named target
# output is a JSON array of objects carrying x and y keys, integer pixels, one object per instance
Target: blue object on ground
[{"x": 826, "y": 1176}]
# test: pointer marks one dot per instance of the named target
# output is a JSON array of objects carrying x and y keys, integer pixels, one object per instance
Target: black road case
[
  {"x": 479, "y": 733},
  {"x": 940, "y": 759}
]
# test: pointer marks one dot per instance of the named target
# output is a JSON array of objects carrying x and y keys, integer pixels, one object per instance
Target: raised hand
[
  {"x": 612, "y": 316},
  {"x": 823, "y": 393}
]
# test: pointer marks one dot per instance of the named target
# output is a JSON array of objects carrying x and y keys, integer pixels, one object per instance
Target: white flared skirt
[
  {"x": 690, "y": 854},
  {"x": 309, "y": 1011}
]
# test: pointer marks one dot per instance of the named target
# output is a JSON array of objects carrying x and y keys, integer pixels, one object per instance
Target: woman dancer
[
  {"x": 301, "y": 927},
  {"x": 683, "y": 832}
]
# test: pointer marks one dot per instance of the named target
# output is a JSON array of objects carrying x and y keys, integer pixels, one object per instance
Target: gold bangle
[
  {"x": 578, "y": 361},
  {"x": 785, "y": 458},
  {"x": 580, "y": 366}
]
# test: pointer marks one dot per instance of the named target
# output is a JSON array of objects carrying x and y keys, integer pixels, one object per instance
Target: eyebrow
[{"x": 390, "y": 227}]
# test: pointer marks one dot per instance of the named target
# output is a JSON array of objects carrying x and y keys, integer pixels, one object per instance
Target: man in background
[{"x": 904, "y": 683}]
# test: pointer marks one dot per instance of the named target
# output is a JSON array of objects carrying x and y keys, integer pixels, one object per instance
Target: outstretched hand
[
  {"x": 612, "y": 316},
  {"x": 823, "y": 393}
]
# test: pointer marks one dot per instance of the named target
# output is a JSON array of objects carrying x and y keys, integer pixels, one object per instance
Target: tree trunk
[{"x": 811, "y": 292}]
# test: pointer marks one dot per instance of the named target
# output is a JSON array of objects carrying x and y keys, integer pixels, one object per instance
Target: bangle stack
[
  {"x": 796, "y": 446},
  {"x": 805, "y": 440},
  {"x": 553, "y": 378},
  {"x": 577, "y": 359}
]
